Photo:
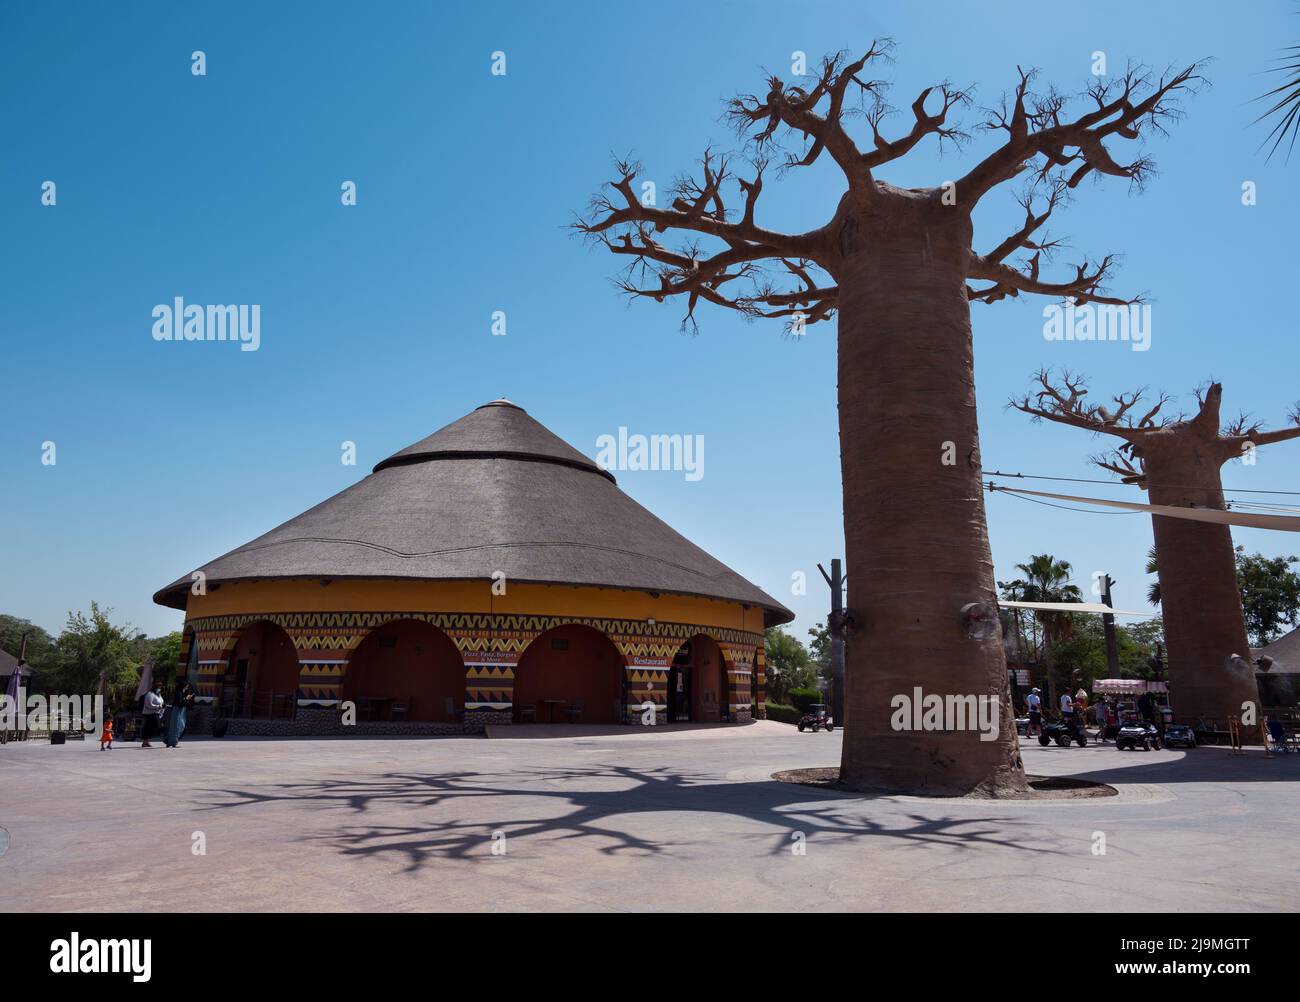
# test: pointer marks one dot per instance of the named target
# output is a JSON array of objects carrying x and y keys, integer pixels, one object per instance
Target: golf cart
[
  {"x": 1063, "y": 732},
  {"x": 1134, "y": 734},
  {"x": 816, "y": 718},
  {"x": 1179, "y": 734}
]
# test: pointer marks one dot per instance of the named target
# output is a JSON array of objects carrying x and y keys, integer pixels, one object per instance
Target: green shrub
[
  {"x": 783, "y": 713},
  {"x": 804, "y": 698}
]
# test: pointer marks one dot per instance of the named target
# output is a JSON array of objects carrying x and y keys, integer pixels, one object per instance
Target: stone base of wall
[
  {"x": 477, "y": 721},
  {"x": 323, "y": 721},
  {"x": 634, "y": 719},
  {"x": 745, "y": 716}
]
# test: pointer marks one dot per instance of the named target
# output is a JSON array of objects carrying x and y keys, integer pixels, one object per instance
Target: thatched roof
[
  {"x": 494, "y": 491},
  {"x": 1285, "y": 652},
  {"x": 8, "y": 663}
]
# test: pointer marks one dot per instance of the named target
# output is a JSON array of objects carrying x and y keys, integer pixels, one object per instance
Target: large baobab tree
[
  {"x": 1177, "y": 460},
  {"x": 897, "y": 268}
]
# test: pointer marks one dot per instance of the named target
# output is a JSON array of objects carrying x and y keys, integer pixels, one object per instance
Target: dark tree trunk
[
  {"x": 1199, "y": 599},
  {"x": 915, "y": 530}
]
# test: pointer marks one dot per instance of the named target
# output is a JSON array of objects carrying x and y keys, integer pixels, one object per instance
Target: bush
[
  {"x": 804, "y": 698},
  {"x": 783, "y": 713}
]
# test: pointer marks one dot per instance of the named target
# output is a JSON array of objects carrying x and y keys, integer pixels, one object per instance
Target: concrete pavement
[{"x": 621, "y": 818}]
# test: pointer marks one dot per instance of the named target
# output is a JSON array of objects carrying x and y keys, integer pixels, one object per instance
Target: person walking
[
  {"x": 182, "y": 700},
  {"x": 1101, "y": 711},
  {"x": 153, "y": 707},
  {"x": 106, "y": 735},
  {"x": 1034, "y": 705}
]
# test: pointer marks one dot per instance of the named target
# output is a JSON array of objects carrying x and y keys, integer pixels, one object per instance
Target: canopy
[{"x": 1127, "y": 686}]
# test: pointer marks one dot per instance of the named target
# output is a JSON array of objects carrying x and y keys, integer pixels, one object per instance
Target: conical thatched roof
[{"x": 494, "y": 491}]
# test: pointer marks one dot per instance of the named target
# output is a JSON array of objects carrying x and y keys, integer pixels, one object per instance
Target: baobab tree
[
  {"x": 898, "y": 271},
  {"x": 1177, "y": 461}
]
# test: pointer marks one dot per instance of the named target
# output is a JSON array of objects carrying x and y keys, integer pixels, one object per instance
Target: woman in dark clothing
[{"x": 182, "y": 700}]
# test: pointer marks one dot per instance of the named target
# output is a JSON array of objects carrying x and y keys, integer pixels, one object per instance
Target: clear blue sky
[{"x": 375, "y": 318}]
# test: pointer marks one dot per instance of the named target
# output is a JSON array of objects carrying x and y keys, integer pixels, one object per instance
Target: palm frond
[{"x": 1286, "y": 104}]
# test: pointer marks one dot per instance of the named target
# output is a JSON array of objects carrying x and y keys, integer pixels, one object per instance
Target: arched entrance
[
  {"x": 571, "y": 672},
  {"x": 406, "y": 669},
  {"x": 697, "y": 682},
  {"x": 262, "y": 675}
]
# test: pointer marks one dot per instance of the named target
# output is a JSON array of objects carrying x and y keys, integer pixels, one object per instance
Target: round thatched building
[{"x": 489, "y": 573}]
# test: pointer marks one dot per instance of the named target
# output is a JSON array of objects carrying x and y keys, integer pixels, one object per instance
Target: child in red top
[{"x": 106, "y": 738}]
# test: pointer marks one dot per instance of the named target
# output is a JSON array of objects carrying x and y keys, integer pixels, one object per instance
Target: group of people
[
  {"x": 1075, "y": 709},
  {"x": 152, "y": 709}
]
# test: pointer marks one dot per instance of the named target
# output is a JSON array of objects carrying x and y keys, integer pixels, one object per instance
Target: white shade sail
[
  {"x": 1093, "y": 607},
  {"x": 1286, "y": 523}
]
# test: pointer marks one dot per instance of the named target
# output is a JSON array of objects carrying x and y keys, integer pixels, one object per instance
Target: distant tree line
[{"x": 90, "y": 645}]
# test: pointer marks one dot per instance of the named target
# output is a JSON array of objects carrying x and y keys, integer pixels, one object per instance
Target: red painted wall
[
  {"x": 708, "y": 680},
  {"x": 423, "y": 666},
  {"x": 272, "y": 660},
  {"x": 591, "y": 668}
]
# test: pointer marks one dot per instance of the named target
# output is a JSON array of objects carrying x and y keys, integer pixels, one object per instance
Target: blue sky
[{"x": 376, "y": 318}]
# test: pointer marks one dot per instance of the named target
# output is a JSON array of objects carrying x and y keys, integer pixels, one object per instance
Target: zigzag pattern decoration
[
  {"x": 500, "y": 637},
  {"x": 472, "y": 632},
  {"x": 646, "y": 685}
]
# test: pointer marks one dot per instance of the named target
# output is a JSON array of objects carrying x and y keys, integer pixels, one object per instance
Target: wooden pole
[
  {"x": 835, "y": 626},
  {"x": 1108, "y": 623}
]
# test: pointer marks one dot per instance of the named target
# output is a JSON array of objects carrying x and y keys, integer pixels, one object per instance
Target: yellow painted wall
[{"x": 376, "y": 595}]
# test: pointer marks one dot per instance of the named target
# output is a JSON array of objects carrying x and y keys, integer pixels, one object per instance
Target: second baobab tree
[
  {"x": 897, "y": 269},
  {"x": 1177, "y": 461}
]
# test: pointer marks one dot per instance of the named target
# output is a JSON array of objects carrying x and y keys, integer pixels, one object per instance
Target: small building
[
  {"x": 486, "y": 574},
  {"x": 9, "y": 665}
]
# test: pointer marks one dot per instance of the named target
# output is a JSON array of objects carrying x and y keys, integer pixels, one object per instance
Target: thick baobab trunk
[
  {"x": 1199, "y": 599},
  {"x": 917, "y": 541}
]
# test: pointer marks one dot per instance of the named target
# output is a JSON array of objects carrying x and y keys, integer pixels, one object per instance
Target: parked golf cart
[
  {"x": 1134, "y": 734},
  {"x": 1179, "y": 734},
  {"x": 1063, "y": 733},
  {"x": 816, "y": 718}
]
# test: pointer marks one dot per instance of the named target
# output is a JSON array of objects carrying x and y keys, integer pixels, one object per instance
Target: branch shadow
[{"x": 447, "y": 812}]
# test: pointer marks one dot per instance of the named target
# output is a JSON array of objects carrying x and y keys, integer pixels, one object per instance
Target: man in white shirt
[
  {"x": 1034, "y": 703},
  {"x": 1067, "y": 708},
  {"x": 153, "y": 704}
]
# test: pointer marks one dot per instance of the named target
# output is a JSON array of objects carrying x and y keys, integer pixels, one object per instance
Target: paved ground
[{"x": 611, "y": 818}]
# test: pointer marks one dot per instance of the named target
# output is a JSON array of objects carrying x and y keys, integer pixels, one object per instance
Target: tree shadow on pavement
[{"x": 453, "y": 815}]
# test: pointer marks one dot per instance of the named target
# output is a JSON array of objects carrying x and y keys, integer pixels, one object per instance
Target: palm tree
[
  {"x": 1153, "y": 567},
  {"x": 1048, "y": 580},
  {"x": 1286, "y": 102}
]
